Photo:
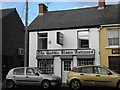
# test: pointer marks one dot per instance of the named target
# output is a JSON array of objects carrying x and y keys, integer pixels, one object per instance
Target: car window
[
  {"x": 86, "y": 70},
  {"x": 30, "y": 71},
  {"x": 19, "y": 71},
  {"x": 103, "y": 71}
]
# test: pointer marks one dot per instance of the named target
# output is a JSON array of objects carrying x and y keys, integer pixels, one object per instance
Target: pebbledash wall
[{"x": 65, "y": 56}]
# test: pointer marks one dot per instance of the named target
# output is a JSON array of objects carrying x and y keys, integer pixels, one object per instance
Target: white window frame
[
  {"x": 82, "y": 38},
  {"x": 40, "y": 38}
]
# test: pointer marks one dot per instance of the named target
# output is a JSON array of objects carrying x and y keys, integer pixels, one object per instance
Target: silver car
[{"x": 30, "y": 76}]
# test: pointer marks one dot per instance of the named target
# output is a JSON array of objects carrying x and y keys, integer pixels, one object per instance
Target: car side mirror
[
  {"x": 37, "y": 74},
  {"x": 109, "y": 73}
]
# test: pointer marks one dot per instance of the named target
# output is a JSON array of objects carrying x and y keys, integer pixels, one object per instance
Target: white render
[
  {"x": 69, "y": 42},
  {"x": 32, "y": 49},
  {"x": 94, "y": 43}
]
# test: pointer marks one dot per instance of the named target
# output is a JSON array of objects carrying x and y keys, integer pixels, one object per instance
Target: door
[
  {"x": 31, "y": 77},
  {"x": 66, "y": 67},
  {"x": 19, "y": 76},
  {"x": 114, "y": 63},
  {"x": 86, "y": 76},
  {"x": 102, "y": 77}
]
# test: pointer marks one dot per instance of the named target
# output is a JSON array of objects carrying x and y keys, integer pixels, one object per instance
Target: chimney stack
[
  {"x": 101, "y": 4},
  {"x": 42, "y": 9}
]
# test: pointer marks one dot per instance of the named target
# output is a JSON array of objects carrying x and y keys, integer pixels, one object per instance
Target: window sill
[{"x": 110, "y": 47}]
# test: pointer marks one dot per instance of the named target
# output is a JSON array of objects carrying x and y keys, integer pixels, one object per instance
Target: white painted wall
[
  {"x": 70, "y": 42},
  {"x": 74, "y": 61},
  {"x": 70, "y": 36},
  {"x": 32, "y": 49},
  {"x": 57, "y": 66},
  {"x": 94, "y": 43}
]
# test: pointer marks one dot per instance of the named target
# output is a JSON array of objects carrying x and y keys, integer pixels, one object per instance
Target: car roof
[
  {"x": 23, "y": 67},
  {"x": 88, "y": 66}
]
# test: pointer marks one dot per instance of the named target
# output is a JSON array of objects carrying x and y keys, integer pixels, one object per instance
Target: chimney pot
[
  {"x": 101, "y": 4},
  {"x": 42, "y": 9}
]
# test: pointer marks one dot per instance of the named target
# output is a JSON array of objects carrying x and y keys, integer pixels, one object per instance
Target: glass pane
[
  {"x": 113, "y": 41},
  {"x": 46, "y": 66},
  {"x": 102, "y": 71},
  {"x": 30, "y": 71},
  {"x": 18, "y": 71},
  {"x": 42, "y": 34},
  {"x": 85, "y": 62},
  {"x": 87, "y": 70},
  {"x": 42, "y": 41},
  {"x": 83, "y": 39},
  {"x": 67, "y": 65}
]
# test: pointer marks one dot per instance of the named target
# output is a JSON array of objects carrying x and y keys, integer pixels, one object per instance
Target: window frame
[
  {"x": 108, "y": 38},
  {"x": 78, "y": 40},
  {"x": 45, "y": 68},
  {"x": 88, "y": 70},
  {"x": 19, "y": 69},
  {"x": 98, "y": 70},
  {"x": 89, "y": 62},
  {"x": 41, "y": 38},
  {"x": 31, "y": 74}
]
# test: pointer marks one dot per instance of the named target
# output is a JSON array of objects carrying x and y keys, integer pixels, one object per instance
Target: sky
[{"x": 52, "y": 6}]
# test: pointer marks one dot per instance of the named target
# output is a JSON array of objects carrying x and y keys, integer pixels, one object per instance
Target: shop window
[
  {"x": 113, "y": 37},
  {"x": 83, "y": 39},
  {"x": 85, "y": 62},
  {"x": 42, "y": 40},
  {"x": 46, "y": 66}
]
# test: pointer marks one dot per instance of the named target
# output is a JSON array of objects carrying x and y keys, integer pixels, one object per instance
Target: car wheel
[
  {"x": 75, "y": 84},
  {"x": 45, "y": 84},
  {"x": 118, "y": 85},
  {"x": 10, "y": 84}
]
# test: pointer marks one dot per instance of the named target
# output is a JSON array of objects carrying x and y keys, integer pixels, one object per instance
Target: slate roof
[
  {"x": 76, "y": 18},
  {"x": 5, "y": 12}
]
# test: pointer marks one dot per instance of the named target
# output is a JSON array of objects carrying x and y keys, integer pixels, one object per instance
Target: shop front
[{"x": 60, "y": 62}]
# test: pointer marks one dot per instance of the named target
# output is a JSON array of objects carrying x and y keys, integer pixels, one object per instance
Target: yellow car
[{"x": 96, "y": 76}]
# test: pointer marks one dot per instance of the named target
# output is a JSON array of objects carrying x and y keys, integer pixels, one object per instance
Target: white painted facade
[{"x": 70, "y": 41}]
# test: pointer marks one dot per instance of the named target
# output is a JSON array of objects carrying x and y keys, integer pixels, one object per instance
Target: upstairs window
[
  {"x": 83, "y": 39},
  {"x": 42, "y": 40},
  {"x": 113, "y": 37}
]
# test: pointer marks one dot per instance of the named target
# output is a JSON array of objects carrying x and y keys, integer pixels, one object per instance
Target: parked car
[
  {"x": 30, "y": 76},
  {"x": 96, "y": 76}
]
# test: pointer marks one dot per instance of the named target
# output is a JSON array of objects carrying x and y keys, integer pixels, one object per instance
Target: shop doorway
[
  {"x": 66, "y": 67},
  {"x": 114, "y": 63}
]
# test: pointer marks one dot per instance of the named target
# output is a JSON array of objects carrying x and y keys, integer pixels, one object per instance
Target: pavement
[{"x": 2, "y": 85}]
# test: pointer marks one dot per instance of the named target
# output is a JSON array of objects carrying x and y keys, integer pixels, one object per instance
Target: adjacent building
[
  {"x": 60, "y": 40},
  {"x": 110, "y": 46},
  {"x": 12, "y": 40}
]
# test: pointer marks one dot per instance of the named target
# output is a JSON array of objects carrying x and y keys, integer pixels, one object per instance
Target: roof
[
  {"x": 76, "y": 18},
  {"x": 5, "y": 12}
]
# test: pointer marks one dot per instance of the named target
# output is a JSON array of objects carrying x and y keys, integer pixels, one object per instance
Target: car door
[
  {"x": 19, "y": 76},
  {"x": 31, "y": 77},
  {"x": 86, "y": 76},
  {"x": 102, "y": 77}
]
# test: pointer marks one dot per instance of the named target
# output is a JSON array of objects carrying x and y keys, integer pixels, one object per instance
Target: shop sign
[
  {"x": 65, "y": 52},
  {"x": 115, "y": 51}
]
